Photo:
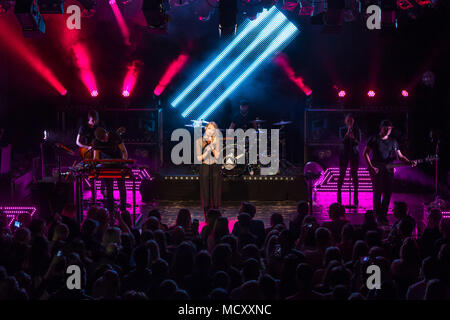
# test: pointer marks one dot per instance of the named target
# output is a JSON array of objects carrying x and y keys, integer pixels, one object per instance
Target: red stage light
[
  {"x": 130, "y": 78},
  {"x": 84, "y": 65},
  {"x": 371, "y": 93},
  {"x": 171, "y": 71},
  {"x": 19, "y": 46},
  {"x": 121, "y": 22},
  {"x": 282, "y": 60},
  {"x": 405, "y": 93},
  {"x": 342, "y": 93}
]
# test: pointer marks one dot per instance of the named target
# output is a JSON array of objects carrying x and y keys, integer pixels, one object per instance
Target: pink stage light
[
  {"x": 121, "y": 22},
  {"x": 12, "y": 38},
  {"x": 130, "y": 78},
  {"x": 282, "y": 60},
  {"x": 405, "y": 93},
  {"x": 84, "y": 65},
  {"x": 171, "y": 71},
  {"x": 371, "y": 93},
  {"x": 342, "y": 94}
]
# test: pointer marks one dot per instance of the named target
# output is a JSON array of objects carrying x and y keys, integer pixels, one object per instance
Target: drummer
[{"x": 245, "y": 118}]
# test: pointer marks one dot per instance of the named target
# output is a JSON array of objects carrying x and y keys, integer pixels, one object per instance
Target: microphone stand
[
  {"x": 350, "y": 206},
  {"x": 436, "y": 172},
  {"x": 437, "y": 202}
]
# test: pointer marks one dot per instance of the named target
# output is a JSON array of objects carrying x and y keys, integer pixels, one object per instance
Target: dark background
[{"x": 355, "y": 59}]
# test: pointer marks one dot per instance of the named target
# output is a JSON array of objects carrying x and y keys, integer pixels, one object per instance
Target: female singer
[{"x": 207, "y": 150}]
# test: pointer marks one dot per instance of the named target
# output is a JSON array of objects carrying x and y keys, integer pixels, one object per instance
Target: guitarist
[
  {"x": 86, "y": 134},
  {"x": 351, "y": 137},
  {"x": 385, "y": 150}
]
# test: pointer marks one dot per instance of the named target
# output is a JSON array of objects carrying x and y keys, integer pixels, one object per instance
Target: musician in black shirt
[
  {"x": 243, "y": 119},
  {"x": 350, "y": 136},
  {"x": 109, "y": 145},
  {"x": 385, "y": 150}
]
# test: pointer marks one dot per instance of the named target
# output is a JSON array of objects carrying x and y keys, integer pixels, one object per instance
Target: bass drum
[{"x": 235, "y": 162}]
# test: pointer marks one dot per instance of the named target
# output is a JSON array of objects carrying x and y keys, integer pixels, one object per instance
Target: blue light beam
[
  {"x": 247, "y": 29},
  {"x": 288, "y": 33},
  {"x": 265, "y": 33}
]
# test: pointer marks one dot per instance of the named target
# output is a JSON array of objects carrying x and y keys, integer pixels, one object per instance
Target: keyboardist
[{"x": 109, "y": 145}]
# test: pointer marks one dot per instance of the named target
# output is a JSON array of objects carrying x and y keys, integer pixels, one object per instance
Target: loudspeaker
[{"x": 51, "y": 197}]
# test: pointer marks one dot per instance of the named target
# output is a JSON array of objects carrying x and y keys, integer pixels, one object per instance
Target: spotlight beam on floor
[
  {"x": 248, "y": 27},
  {"x": 266, "y": 32},
  {"x": 288, "y": 33}
]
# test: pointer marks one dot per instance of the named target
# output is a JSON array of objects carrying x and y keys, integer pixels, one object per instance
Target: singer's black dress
[{"x": 209, "y": 176}]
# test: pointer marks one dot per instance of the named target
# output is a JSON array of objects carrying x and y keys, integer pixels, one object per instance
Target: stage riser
[{"x": 232, "y": 190}]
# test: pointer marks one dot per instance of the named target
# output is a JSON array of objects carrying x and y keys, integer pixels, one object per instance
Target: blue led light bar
[
  {"x": 288, "y": 33},
  {"x": 273, "y": 25},
  {"x": 247, "y": 29}
]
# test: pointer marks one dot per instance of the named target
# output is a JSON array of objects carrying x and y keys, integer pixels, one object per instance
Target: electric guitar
[
  {"x": 88, "y": 153},
  {"x": 382, "y": 167}
]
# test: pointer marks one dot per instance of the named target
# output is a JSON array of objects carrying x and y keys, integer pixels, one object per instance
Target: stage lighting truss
[
  {"x": 155, "y": 13},
  {"x": 251, "y": 8},
  {"x": 179, "y": 3},
  {"x": 51, "y": 6},
  {"x": 255, "y": 43},
  {"x": 27, "y": 12},
  {"x": 89, "y": 8}
]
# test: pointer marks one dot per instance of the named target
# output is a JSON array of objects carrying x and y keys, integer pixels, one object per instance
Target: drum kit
[{"x": 233, "y": 165}]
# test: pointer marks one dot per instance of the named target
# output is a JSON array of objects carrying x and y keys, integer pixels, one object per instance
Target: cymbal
[
  {"x": 257, "y": 121},
  {"x": 199, "y": 121},
  {"x": 282, "y": 123},
  {"x": 193, "y": 126}
]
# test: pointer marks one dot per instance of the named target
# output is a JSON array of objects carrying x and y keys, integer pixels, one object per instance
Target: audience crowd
[{"x": 288, "y": 260}]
